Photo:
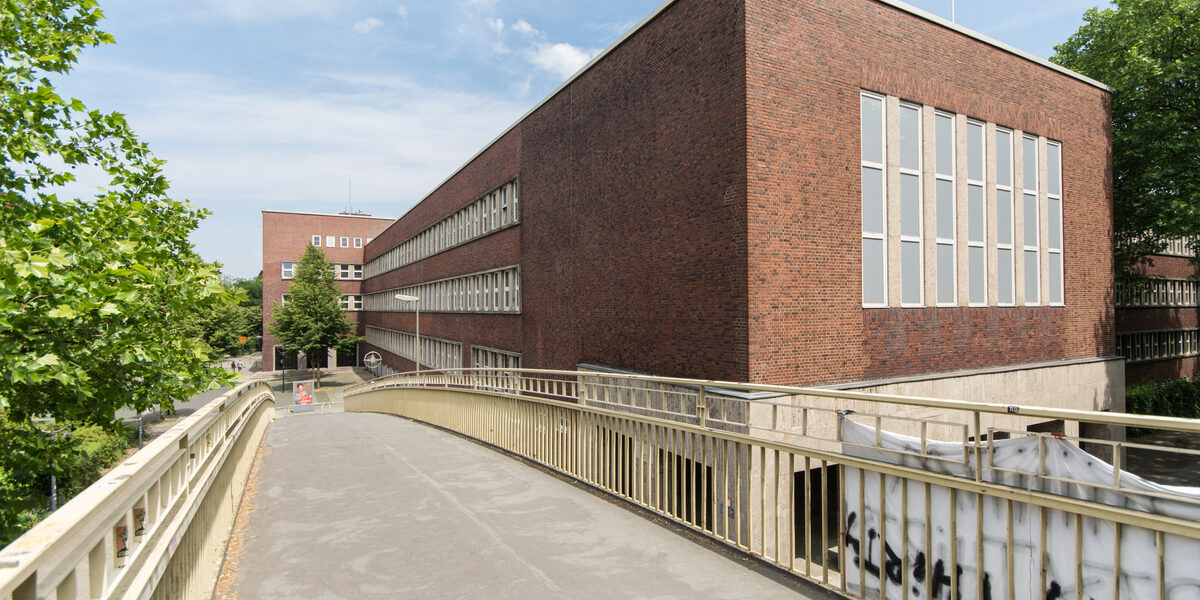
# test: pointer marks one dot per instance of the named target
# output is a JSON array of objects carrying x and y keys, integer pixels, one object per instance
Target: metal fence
[
  {"x": 157, "y": 524},
  {"x": 869, "y": 495}
]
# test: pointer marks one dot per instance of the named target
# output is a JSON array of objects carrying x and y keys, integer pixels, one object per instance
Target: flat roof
[
  {"x": 645, "y": 20},
  {"x": 317, "y": 214}
]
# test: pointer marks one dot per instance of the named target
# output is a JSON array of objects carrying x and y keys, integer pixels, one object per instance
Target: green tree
[
  {"x": 1148, "y": 51},
  {"x": 91, "y": 291},
  {"x": 312, "y": 320}
]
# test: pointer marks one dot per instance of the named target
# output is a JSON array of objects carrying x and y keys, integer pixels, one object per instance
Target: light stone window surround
[{"x": 892, "y": 184}]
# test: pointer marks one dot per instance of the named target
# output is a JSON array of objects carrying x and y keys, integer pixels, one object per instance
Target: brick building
[
  {"x": 1158, "y": 327},
  {"x": 800, "y": 192},
  {"x": 343, "y": 237}
]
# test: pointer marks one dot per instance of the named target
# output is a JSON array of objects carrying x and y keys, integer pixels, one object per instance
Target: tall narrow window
[
  {"x": 358, "y": 242},
  {"x": 1054, "y": 221},
  {"x": 1029, "y": 185},
  {"x": 316, "y": 241},
  {"x": 1005, "y": 264},
  {"x": 911, "y": 260},
  {"x": 287, "y": 271},
  {"x": 976, "y": 217},
  {"x": 874, "y": 205},
  {"x": 345, "y": 242},
  {"x": 947, "y": 293}
]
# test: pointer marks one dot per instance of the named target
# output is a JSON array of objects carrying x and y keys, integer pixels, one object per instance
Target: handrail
[
  {"x": 1101, "y": 417},
  {"x": 116, "y": 539},
  {"x": 797, "y": 480}
]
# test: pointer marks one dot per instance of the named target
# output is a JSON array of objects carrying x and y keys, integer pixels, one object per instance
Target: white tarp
[{"x": 1139, "y": 570}]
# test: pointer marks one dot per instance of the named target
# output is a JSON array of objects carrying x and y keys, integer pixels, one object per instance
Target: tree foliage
[
  {"x": 312, "y": 320},
  {"x": 92, "y": 291},
  {"x": 1148, "y": 51}
]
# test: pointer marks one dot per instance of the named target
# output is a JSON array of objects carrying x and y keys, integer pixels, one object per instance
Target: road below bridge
[{"x": 373, "y": 506}]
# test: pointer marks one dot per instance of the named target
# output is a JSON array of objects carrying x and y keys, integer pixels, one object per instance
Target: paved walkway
[{"x": 370, "y": 506}]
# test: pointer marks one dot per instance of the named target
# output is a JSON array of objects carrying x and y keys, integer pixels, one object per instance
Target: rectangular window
[
  {"x": 330, "y": 241},
  {"x": 976, "y": 216},
  {"x": 345, "y": 242},
  {"x": 1054, "y": 221},
  {"x": 947, "y": 292},
  {"x": 874, "y": 203},
  {"x": 358, "y": 242},
  {"x": 358, "y": 271},
  {"x": 288, "y": 270},
  {"x": 352, "y": 302},
  {"x": 316, "y": 241},
  {"x": 911, "y": 246},
  {"x": 284, "y": 298},
  {"x": 1030, "y": 215},
  {"x": 1005, "y": 265}
]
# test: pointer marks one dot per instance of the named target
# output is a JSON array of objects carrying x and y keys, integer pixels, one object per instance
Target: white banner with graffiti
[{"x": 1016, "y": 464}]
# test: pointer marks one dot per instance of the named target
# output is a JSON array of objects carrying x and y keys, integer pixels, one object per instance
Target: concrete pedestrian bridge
[{"x": 548, "y": 484}]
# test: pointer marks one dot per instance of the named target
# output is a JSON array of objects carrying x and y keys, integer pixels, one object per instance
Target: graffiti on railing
[{"x": 1015, "y": 540}]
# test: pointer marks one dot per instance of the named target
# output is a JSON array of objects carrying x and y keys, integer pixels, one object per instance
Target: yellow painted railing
[
  {"x": 869, "y": 495},
  {"x": 155, "y": 526}
]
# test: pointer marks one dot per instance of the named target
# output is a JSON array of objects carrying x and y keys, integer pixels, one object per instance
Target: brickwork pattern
[
  {"x": 807, "y": 62},
  {"x": 285, "y": 235}
]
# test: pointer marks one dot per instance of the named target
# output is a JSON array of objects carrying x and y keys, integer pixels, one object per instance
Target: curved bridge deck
[{"x": 373, "y": 506}]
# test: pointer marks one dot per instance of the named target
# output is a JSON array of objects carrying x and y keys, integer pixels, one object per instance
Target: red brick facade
[
  {"x": 285, "y": 236},
  {"x": 691, "y": 203},
  {"x": 1133, "y": 319}
]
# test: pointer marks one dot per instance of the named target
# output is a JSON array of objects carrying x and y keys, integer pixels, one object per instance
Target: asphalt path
[{"x": 352, "y": 505}]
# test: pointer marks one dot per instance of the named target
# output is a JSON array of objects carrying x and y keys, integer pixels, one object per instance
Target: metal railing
[
  {"x": 157, "y": 524},
  {"x": 853, "y": 491}
]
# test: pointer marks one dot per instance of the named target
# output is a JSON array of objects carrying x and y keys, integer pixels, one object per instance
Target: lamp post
[{"x": 417, "y": 304}]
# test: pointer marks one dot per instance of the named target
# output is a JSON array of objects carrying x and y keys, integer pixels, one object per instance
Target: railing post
[{"x": 702, "y": 407}]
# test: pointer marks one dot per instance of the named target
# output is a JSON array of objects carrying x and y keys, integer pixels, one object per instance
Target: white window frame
[
  {"x": 939, "y": 241},
  {"x": 919, "y": 238},
  {"x": 982, "y": 187},
  {"x": 330, "y": 241},
  {"x": 287, "y": 270},
  {"x": 1056, "y": 254},
  {"x": 358, "y": 242},
  {"x": 1037, "y": 213},
  {"x": 1011, "y": 246},
  {"x": 344, "y": 242},
  {"x": 882, "y": 168},
  {"x": 316, "y": 241}
]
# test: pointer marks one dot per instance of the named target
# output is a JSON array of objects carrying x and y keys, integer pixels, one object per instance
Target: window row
[
  {"x": 1155, "y": 345},
  {"x": 333, "y": 241},
  {"x": 487, "y": 358},
  {"x": 497, "y": 291},
  {"x": 967, "y": 213},
  {"x": 494, "y": 210},
  {"x": 1162, "y": 292},
  {"x": 347, "y": 271},
  {"x": 352, "y": 302},
  {"x": 340, "y": 271},
  {"x": 1183, "y": 247},
  {"x": 434, "y": 353}
]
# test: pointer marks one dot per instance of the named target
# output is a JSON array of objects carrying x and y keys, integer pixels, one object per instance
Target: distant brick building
[
  {"x": 285, "y": 236},
  {"x": 1158, "y": 327},
  {"x": 847, "y": 192}
]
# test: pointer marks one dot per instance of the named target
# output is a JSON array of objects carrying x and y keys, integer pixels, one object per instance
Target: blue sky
[{"x": 285, "y": 104}]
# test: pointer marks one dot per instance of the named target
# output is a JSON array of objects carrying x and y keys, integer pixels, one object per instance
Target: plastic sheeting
[{"x": 881, "y": 546}]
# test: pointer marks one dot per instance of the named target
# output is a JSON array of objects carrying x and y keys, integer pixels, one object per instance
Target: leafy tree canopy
[
  {"x": 92, "y": 291},
  {"x": 312, "y": 320},
  {"x": 1148, "y": 51}
]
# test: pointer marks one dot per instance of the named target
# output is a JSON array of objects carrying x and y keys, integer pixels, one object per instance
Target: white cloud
[
  {"x": 237, "y": 148},
  {"x": 402, "y": 12},
  {"x": 524, "y": 28},
  {"x": 496, "y": 24},
  {"x": 561, "y": 59},
  {"x": 367, "y": 24}
]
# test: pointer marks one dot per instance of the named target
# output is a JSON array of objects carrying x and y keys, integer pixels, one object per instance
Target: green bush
[
  {"x": 1179, "y": 398},
  {"x": 28, "y": 457}
]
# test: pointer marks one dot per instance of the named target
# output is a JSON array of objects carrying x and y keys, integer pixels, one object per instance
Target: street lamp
[{"x": 416, "y": 303}]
